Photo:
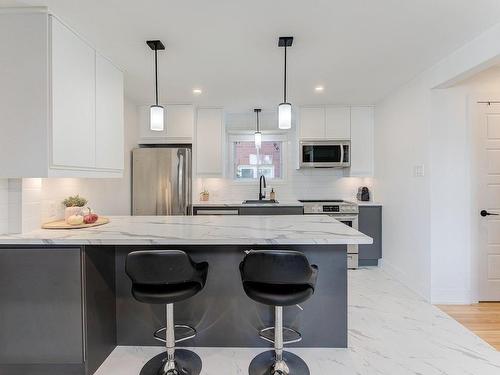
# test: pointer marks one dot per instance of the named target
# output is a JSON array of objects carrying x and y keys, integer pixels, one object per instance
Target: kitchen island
[{"x": 66, "y": 299}]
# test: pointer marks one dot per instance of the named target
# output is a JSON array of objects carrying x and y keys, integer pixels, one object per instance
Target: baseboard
[
  {"x": 403, "y": 278},
  {"x": 451, "y": 297}
]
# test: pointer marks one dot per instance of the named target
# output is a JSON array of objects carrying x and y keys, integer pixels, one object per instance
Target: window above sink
[{"x": 247, "y": 163}]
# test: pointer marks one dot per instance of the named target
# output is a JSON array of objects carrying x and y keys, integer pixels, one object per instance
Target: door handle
[{"x": 485, "y": 213}]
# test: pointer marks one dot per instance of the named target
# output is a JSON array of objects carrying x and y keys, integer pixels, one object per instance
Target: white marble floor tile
[{"x": 392, "y": 331}]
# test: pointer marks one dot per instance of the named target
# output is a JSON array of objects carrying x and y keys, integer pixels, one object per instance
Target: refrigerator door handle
[{"x": 180, "y": 182}]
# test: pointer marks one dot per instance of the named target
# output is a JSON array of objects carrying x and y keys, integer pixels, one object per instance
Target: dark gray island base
[{"x": 65, "y": 308}]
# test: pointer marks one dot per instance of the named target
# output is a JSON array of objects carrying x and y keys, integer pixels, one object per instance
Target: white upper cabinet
[
  {"x": 325, "y": 123},
  {"x": 362, "y": 119},
  {"x": 338, "y": 123},
  {"x": 109, "y": 115},
  {"x": 73, "y": 99},
  {"x": 179, "y": 125},
  {"x": 61, "y": 103},
  {"x": 209, "y": 142},
  {"x": 312, "y": 122}
]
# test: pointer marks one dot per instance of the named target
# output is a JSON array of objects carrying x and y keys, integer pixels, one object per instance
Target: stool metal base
[
  {"x": 290, "y": 335},
  {"x": 188, "y": 363},
  {"x": 263, "y": 364}
]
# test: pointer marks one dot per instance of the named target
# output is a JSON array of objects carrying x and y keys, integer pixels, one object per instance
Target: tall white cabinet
[
  {"x": 362, "y": 141},
  {"x": 61, "y": 102},
  {"x": 209, "y": 142}
]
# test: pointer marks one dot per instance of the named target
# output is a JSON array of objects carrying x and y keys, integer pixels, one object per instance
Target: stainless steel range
[{"x": 345, "y": 212}]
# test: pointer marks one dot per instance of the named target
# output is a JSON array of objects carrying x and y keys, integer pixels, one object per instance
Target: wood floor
[{"x": 482, "y": 318}]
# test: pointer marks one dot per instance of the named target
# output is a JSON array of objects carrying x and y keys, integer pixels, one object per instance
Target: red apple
[{"x": 90, "y": 218}]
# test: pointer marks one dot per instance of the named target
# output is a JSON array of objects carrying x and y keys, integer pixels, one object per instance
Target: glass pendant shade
[
  {"x": 156, "y": 118},
  {"x": 285, "y": 116},
  {"x": 258, "y": 139}
]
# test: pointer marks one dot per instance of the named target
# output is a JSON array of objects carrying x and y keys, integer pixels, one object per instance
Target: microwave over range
[{"x": 325, "y": 154}]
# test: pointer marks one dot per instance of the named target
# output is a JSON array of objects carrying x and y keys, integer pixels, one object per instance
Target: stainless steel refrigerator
[{"x": 161, "y": 181}]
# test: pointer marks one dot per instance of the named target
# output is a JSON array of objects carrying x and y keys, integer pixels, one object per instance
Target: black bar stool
[
  {"x": 165, "y": 277},
  {"x": 278, "y": 278}
]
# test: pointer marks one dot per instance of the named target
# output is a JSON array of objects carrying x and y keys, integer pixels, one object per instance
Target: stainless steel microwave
[{"x": 325, "y": 154}]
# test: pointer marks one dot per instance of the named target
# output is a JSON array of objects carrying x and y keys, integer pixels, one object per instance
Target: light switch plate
[{"x": 419, "y": 170}]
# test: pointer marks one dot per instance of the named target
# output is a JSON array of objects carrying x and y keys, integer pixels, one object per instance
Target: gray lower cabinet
[
  {"x": 249, "y": 210},
  {"x": 282, "y": 210},
  {"x": 57, "y": 309},
  {"x": 215, "y": 210},
  {"x": 370, "y": 223},
  {"x": 41, "y": 318}
]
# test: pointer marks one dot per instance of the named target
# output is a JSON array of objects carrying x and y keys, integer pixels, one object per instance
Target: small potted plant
[
  {"x": 74, "y": 206},
  {"x": 204, "y": 195}
]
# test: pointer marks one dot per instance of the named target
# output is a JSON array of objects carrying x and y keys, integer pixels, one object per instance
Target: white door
[{"x": 489, "y": 201}]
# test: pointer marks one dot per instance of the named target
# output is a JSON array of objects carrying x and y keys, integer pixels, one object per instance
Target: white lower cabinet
[
  {"x": 362, "y": 141},
  {"x": 179, "y": 125},
  {"x": 209, "y": 142},
  {"x": 62, "y": 108}
]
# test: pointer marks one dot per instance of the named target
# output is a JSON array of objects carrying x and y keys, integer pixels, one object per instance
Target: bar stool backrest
[
  {"x": 278, "y": 267},
  {"x": 161, "y": 267}
]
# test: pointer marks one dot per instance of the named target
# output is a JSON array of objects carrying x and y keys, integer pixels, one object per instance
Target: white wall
[
  {"x": 298, "y": 184},
  {"x": 401, "y": 144},
  {"x": 426, "y": 226}
]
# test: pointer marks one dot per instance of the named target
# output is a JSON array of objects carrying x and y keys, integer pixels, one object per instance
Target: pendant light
[
  {"x": 258, "y": 134},
  {"x": 285, "y": 108},
  {"x": 156, "y": 111}
]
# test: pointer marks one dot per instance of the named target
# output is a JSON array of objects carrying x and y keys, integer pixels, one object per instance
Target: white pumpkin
[{"x": 75, "y": 220}]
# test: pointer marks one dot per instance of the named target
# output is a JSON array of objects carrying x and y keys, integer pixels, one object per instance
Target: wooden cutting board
[{"x": 61, "y": 224}]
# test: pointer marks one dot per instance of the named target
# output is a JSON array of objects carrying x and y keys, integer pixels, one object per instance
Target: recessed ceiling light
[
  {"x": 319, "y": 89},
  {"x": 197, "y": 91}
]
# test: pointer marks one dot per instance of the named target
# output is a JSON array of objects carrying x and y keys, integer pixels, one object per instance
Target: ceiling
[{"x": 358, "y": 50}]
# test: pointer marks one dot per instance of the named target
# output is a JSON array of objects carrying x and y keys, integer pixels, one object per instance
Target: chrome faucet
[{"x": 262, "y": 196}]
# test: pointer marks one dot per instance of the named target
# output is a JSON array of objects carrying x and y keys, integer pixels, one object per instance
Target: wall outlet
[{"x": 419, "y": 170}]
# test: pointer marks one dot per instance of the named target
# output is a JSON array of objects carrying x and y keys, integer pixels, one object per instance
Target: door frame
[{"x": 473, "y": 120}]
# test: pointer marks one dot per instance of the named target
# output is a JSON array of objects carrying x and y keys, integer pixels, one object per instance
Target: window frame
[{"x": 237, "y": 136}]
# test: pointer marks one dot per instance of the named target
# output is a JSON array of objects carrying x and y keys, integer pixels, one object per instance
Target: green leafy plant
[{"x": 75, "y": 201}]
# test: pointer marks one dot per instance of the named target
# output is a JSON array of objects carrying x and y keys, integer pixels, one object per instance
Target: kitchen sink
[{"x": 257, "y": 201}]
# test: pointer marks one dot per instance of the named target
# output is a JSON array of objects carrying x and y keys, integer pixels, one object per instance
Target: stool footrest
[
  {"x": 182, "y": 331},
  {"x": 290, "y": 335}
]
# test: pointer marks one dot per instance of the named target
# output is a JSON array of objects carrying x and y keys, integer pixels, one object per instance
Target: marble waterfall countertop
[{"x": 200, "y": 230}]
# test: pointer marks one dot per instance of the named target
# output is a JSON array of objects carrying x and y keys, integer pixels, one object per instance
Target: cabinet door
[
  {"x": 370, "y": 223},
  {"x": 179, "y": 125},
  {"x": 361, "y": 141},
  {"x": 41, "y": 309},
  {"x": 180, "y": 122},
  {"x": 209, "y": 140},
  {"x": 73, "y": 99},
  {"x": 312, "y": 123},
  {"x": 338, "y": 123},
  {"x": 109, "y": 115}
]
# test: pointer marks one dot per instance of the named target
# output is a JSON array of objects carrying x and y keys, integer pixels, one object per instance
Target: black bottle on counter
[{"x": 363, "y": 194}]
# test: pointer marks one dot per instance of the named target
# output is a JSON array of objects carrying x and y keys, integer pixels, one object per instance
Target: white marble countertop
[
  {"x": 241, "y": 204},
  {"x": 199, "y": 230}
]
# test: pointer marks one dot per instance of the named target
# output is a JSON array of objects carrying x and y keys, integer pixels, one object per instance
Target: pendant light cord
[
  {"x": 284, "y": 79},
  {"x": 156, "y": 73}
]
